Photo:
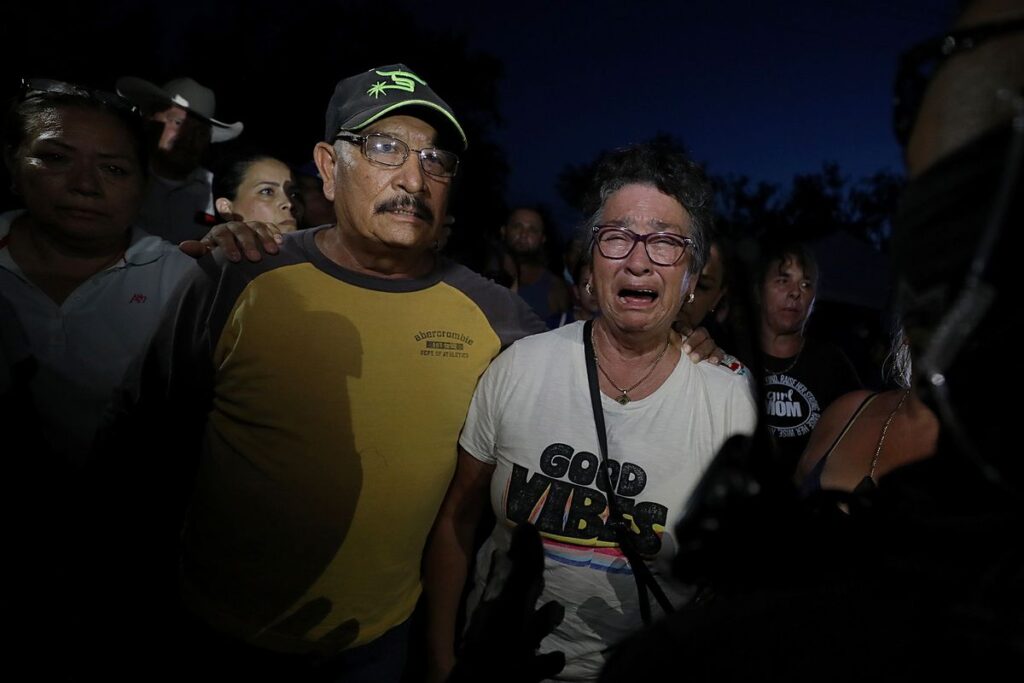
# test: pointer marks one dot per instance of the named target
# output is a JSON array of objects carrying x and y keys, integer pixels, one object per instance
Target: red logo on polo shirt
[{"x": 138, "y": 299}]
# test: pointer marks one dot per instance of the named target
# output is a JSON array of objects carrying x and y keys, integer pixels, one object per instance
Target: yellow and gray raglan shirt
[{"x": 334, "y": 405}]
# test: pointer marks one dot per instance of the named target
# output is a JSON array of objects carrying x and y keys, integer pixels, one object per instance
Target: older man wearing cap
[
  {"x": 325, "y": 389},
  {"x": 178, "y": 204}
]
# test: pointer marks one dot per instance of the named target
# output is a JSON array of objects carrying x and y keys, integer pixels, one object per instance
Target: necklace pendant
[{"x": 624, "y": 399}]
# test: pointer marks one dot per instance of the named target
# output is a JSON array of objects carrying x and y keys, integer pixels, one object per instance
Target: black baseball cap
[{"x": 360, "y": 100}]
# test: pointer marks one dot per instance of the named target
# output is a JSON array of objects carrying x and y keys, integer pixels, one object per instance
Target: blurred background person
[
  {"x": 802, "y": 376},
  {"x": 251, "y": 186},
  {"x": 864, "y": 434},
  {"x": 178, "y": 203},
  {"x": 725, "y": 317},
  {"x": 708, "y": 296},
  {"x": 525, "y": 236}
]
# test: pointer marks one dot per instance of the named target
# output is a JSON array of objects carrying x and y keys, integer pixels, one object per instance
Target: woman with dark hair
[
  {"x": 605, "y": 508},
  {"x": 802, "y": 375},
  {"x": 709, "y": 295},
  {"x": 251, "y": 186},
  {"x": 85, "y": 285},
  {"x": 81, "y": 291}
]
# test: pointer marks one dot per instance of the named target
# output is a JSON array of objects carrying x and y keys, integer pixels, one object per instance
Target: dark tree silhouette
[
  {"x": 815, "y": 203},
  {"x": 746, "y": 208},
  {"x": 872, "y": 201},
  {"x": 813, "y": 206}
]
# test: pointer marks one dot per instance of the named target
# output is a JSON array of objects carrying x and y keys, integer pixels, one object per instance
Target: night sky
[{"x": 766, "y": 89}]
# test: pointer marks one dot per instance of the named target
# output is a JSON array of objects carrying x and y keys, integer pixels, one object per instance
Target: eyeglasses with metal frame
[
  {"x": 384, "y": 149},
  {"x": 663, "y": 248},
  {"x": 918, "y": 64},
  {"x": 36, "y": 87}
]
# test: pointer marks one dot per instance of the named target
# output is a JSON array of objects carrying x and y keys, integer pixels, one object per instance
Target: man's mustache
[{"x": 407, "y": 203}]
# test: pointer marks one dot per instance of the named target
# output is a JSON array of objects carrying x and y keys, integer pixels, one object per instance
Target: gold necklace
[
  {"x": 796, "y": 359},
  {"x": 624, "y": 398},
  {"x": 885, "y": 428}
]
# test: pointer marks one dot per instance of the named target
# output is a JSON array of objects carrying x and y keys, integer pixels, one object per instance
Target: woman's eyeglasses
[{"x": 663, "y": 248}]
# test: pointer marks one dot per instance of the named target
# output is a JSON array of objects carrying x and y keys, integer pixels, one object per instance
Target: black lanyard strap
[{"x": 641, "y": 572}]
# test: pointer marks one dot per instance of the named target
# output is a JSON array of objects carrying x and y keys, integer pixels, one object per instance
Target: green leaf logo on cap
[{"x": 400, "y": 80}]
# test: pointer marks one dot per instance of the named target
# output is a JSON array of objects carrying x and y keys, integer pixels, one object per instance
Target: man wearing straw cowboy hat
[{"x": 178, "y": 204}]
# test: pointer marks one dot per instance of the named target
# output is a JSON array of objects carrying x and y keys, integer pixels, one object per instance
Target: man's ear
[{"x": 326, "y": 160}]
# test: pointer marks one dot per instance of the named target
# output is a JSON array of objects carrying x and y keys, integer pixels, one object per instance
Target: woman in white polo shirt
[{"x": 85, "y": 287}]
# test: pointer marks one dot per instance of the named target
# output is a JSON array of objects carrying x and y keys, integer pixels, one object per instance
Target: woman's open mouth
[{"x": 638, "y": 296}]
